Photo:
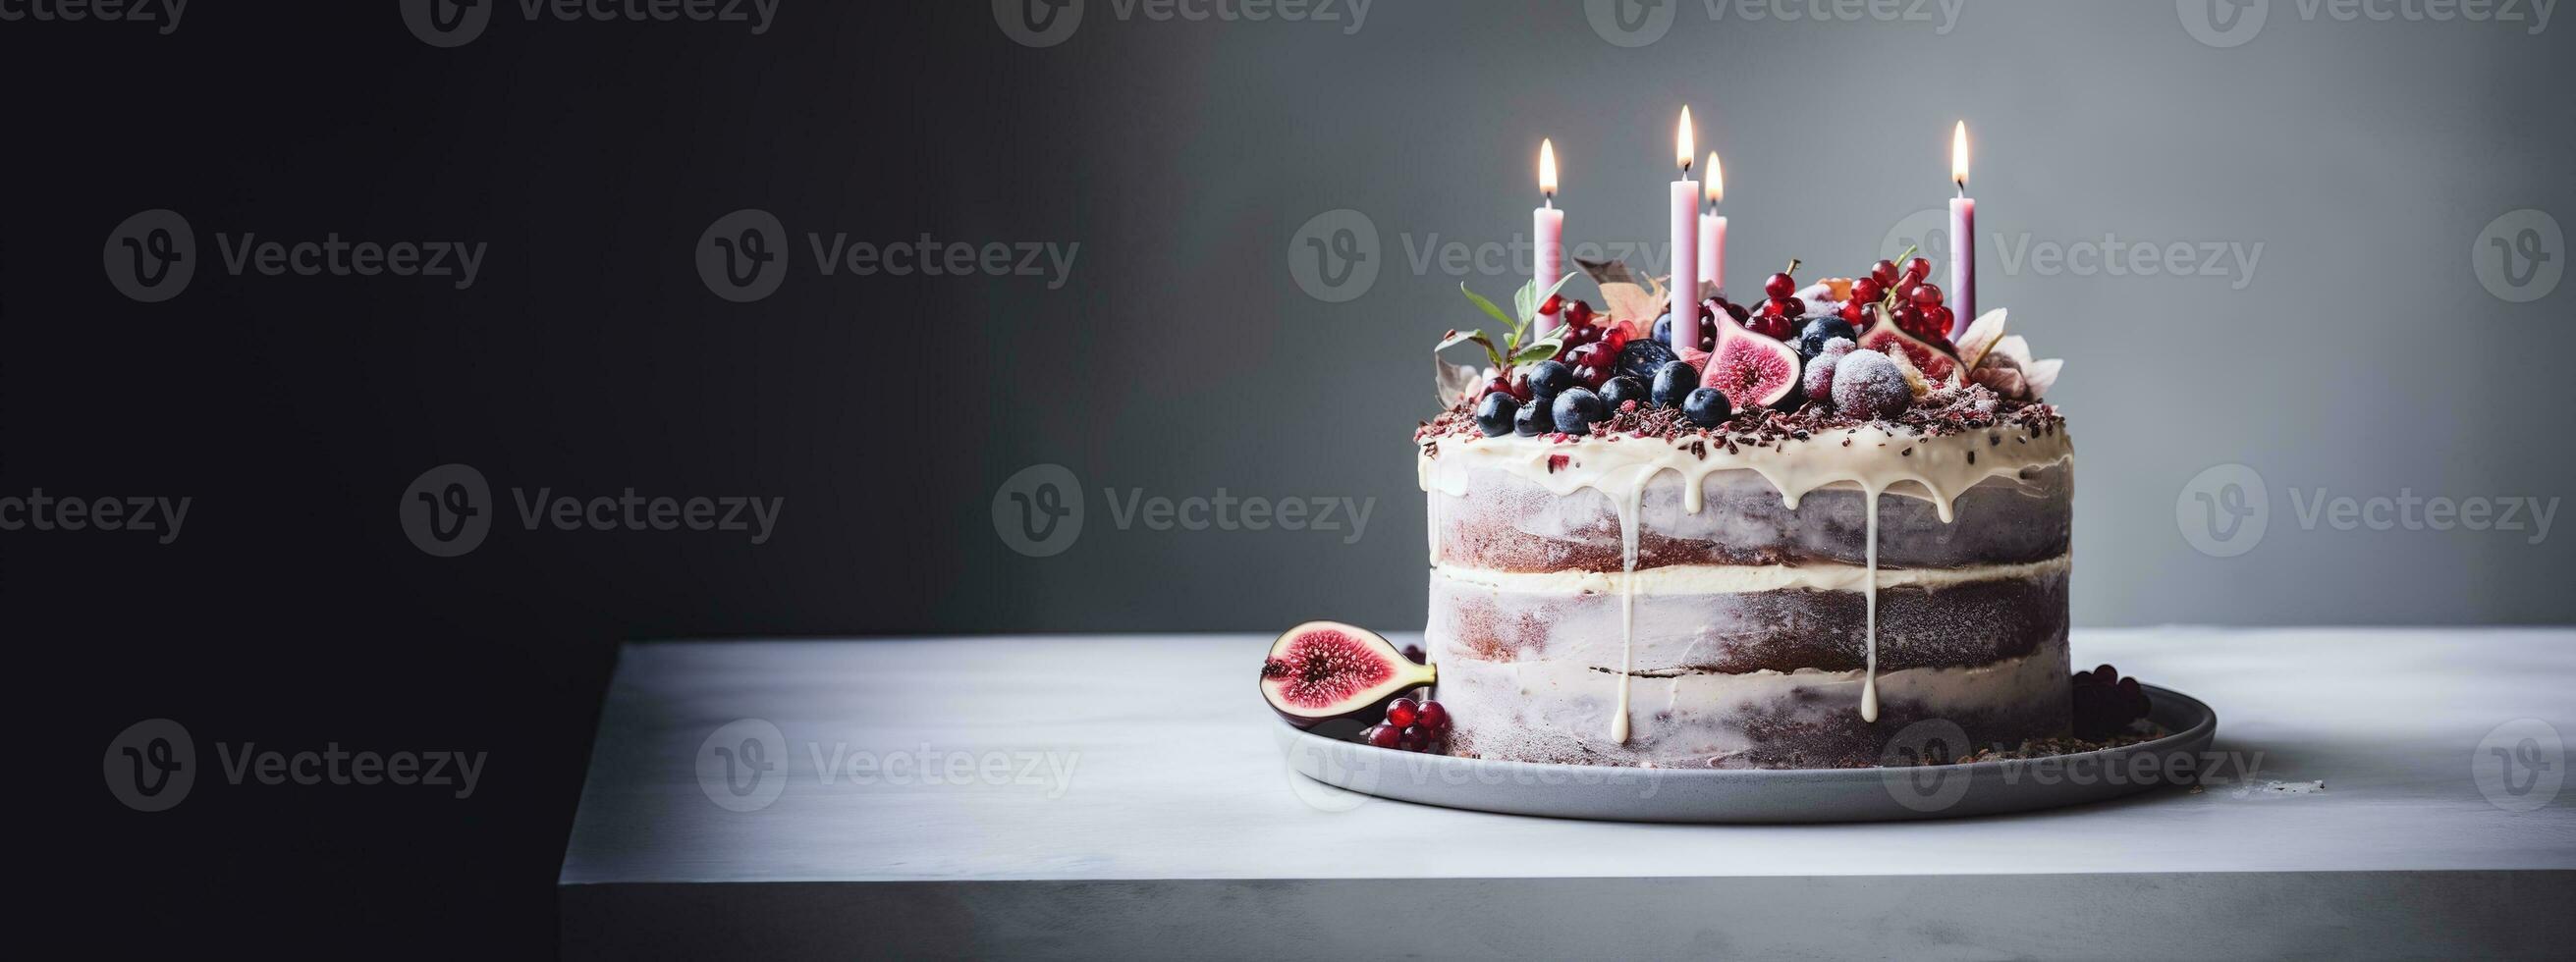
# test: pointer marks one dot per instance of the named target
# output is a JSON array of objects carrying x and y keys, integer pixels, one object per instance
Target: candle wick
[{"x": 1963, "y": 185}]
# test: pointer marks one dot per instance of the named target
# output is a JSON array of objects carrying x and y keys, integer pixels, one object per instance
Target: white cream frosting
[
  {"x": 1877, "y": 461},
  {"x": 1741, "y": 579}
]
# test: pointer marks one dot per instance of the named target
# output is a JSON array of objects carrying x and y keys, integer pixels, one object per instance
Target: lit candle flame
[
  {"x": 1547, "y": 167},
  {"x": 1716, "y": 180},
  {"x": 1682, "y": 138},
  {"x": 1959, "y": 156}
]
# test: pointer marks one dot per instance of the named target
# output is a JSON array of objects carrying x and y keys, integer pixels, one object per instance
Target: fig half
[
  {"x": 1753, "y": 370},
  {"x": 1885, "y": 337},
  {"x": 1323, "y": 670}
]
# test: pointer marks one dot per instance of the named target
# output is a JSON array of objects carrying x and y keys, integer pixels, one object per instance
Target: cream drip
[{"x": 1938, "y": 468}]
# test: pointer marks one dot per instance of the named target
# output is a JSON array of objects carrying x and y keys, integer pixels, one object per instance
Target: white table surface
[{"x": 1176, "y": 773}]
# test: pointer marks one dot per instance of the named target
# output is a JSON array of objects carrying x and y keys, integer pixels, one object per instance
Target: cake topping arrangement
[{"x": 1889, "y": 328}]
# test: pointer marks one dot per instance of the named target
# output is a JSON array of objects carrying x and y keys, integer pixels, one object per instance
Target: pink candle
[
  {"x": 1712, "y": 229},
  {"x": 1963, "y": 238},
  {"x": 1547, "y": 254},
  {"x": 1685, "y": 238}
]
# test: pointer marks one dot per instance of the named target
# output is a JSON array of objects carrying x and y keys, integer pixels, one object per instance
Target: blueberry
[
  {"x": 1577, "y": 408},
  {"x": 1673, "y": 383},
  {"x": 1640, "y": 359},
  {"x": 1812, "y": 338},
  {"x": 1707, "y": 407},
  {"x": 1622, "y": 389},
  {"x": 1664, "y": 328},
  {"x": 1532, "y": 420},
  {"x": 1550, "y": 377},
  {"x": 1494, "y": 414}
]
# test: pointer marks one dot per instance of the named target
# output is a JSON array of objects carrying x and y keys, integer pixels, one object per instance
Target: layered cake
[{"x": 1825, "y": 521}]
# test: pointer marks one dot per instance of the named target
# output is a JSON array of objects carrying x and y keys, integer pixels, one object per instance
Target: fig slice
[
  {"x": 1885, "y": 337},
  {"x": 1323, "y": 670},
  {"x": 1753, "y": 370}
]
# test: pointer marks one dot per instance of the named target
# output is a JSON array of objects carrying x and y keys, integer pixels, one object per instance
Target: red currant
[
  {"x": 1774, "y": 307},
  {"x": 1383, "y": 736},
  {"x": 1884, "y": 272},
  {"x": 1555, "y": 304},
  {"x": 1401, "y": 712},
  {"x": 1418, "y": 740},
  {"x": 1857, "y": 312},
  {"x": 1919, "y": 267},
  {"x": 1925, "y": 295},
  {"x": 1780, "y": 285},
  {"x": 1909, "y": 319},
  {"x": 1435, "y": 717},
  {"x": 1868, "y": 290},
  {"x": 1592, "y": 377},
  {"x": 1938, "y": 319}
]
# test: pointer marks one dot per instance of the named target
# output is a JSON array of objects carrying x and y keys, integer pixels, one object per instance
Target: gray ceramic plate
[{"x": 1792, "y": 795}]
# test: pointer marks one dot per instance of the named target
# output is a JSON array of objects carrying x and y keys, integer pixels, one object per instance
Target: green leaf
[
  {"x": 1456, "y": 338},
  {"x": 1530, "y": 298},
  {"x": 1486, "y": 305},
  {"x": 1540, "y": 350}
]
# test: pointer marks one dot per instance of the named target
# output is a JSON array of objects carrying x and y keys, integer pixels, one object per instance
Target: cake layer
[
  {"x": 1696, "y": 619},
  {"x": 1534, "y": 504},
  {"x": 1556, "y": 710},
  {"x": 1505, "y": 522}
]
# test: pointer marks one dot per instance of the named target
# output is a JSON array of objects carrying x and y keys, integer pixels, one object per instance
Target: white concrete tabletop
[{"x": 1058, "y": 796}]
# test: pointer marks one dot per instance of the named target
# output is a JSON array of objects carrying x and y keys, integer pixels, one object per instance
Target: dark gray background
[{"x": 2363, "y": 357}]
